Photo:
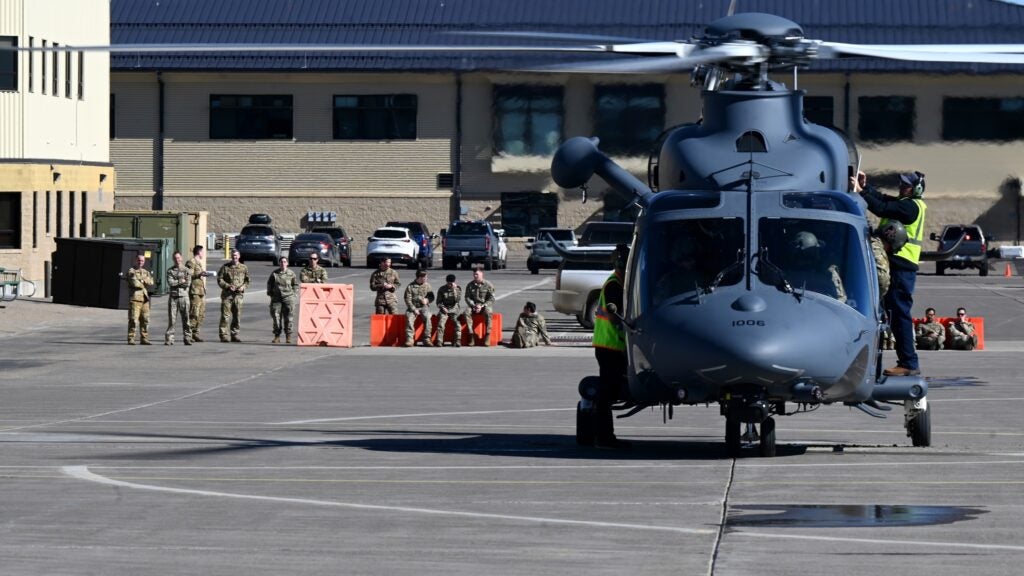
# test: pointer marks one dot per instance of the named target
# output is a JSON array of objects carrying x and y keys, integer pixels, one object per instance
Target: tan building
[
  {"x": 55, "y": 167},
  {"x": 431, "y": 138}
]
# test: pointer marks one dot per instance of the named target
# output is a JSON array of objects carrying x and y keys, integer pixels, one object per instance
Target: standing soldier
[
  {"x": 179, "y": 278},
  {"x": 609, "y": 343},
  {"x": 313, "y": 273},
  {"x": 479, "y": 300},
  {"x": 530, "y": 328},
  {"x": 197, "y": 291},
  {"x": 139, "y": 282},
  {"x": 448, "y": 298},
  {"x": 233, "y": 279},
  {"x": 418, "y": 297},
  {"x": 282, "y": 288},
  {"x": 384, "y": 282}
]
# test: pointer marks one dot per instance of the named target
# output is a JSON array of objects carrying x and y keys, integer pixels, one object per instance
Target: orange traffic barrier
[
  {"x": 979, "y": 329},
  {"x": 325, "y": 315},
  {"x": 389, "y": 329}
]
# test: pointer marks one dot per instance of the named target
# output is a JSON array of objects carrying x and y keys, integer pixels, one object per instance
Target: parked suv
[
  {"x": 392, "y": 242},
  {"x": 542, "y": 253},
  {"x": 423, "y": 238},
  {"x": 972, "y": 252},
  {"x": 309, "y": 242},
  {"x": 258, "y": 242},
  {"x": 341, "y": 239}
]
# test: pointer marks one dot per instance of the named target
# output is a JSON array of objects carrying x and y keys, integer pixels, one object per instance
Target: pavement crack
[{"x": 721, "y": 521}]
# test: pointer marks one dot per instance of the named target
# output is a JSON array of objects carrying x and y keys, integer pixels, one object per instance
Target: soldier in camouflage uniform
[
  {"x": 384, "y": 282},
  {"x": 197, "y": 291},
  {"x": 283, "y": 288},
  {"x": 530, "y": 328},
  {"x": 479, "y": 300},
  {"x": 313, "y": 273},
  {"x": 418, "y": 297},
  {"x": 962, "y": 334},
  {"x": 449, "y": 297},
  {"x": 179, "y": 278},
  {"x": 930, "y": 334},
  {"x": 233, "y": 279},
  {"x": 139, "y": 282}
]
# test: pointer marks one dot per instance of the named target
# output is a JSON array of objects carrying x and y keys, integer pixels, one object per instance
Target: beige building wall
[{"x": 54, "y": 149}]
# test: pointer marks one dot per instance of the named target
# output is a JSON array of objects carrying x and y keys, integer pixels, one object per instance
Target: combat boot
[
  {"x": 188, "y": 342},
  {"x": 276, "y": 340},
  {"x": 147, "y": 343},
  {"x": 236, "y": 339},
  {"x": 287, "y": 338},
  {"x": 197, "y": 339},
  {"x": 224, "y": 339},
  {"x": 407, "y": 344},
  {"x": 168, "y": 343},
  {"x": 457, "y": 341},
  {"x": 487, "y": 339}
]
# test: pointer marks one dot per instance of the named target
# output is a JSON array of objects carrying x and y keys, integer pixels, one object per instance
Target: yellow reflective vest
[
  {"x": 911, "y": 251},
  {"x": 607, "y": 334}
]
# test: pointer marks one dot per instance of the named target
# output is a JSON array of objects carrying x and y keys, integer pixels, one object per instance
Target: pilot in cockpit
[
  {"x": 809, "y": 269},
  {"x": 681, "y": 273}
]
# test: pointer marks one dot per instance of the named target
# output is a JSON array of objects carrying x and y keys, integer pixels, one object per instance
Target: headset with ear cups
[{"x": 919, "y": 187}]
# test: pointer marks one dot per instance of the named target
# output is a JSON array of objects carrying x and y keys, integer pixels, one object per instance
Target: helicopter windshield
[
  {"x": 683, "y": 257},
  {"x": 815, "y": 256}
]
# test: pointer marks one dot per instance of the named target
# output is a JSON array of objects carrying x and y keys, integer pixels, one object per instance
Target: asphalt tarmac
[{"x": 260, "y": 459}]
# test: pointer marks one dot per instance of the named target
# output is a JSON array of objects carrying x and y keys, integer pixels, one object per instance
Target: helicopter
[{"x": 750, "y": 283}]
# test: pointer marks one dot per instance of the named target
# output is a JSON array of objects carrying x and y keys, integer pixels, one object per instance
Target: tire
[
  {"x": 732, "y": 437},
  {"x": 489, "y": 263},
  {"x": 920, "y": 428},
  {"x": 587, "y": 319},
  {"x": 447, "y": 264},
  {"x": 767, "y": 444},
  {"x": 534, "y": 270},
  {"x": 984, "y": 269},
  {"x": 347, "y": 263},
  {"x": 584, "y": 426},
  {"x": 940, "y": 270}
]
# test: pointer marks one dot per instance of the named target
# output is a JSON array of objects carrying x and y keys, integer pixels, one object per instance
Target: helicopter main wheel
[
  {"x": 732, "y": 436},
  {"x": 767, "y": 445},
  {"x": 919, "y": 425},
  {"x": 585, "y": 429}
]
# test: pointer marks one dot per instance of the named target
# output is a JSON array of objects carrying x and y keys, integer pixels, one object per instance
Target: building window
[
  {"x": 71, "y": 214},
  {"x": 820, "y": 110},
  {"x": 31, "y": 65},
  {"x": 885, "y": 118},
  {"x": 8, "y": 64},
  {"x": 375, "y": 117},
  {"x": 10, "y": 219},
  {"x": 250, "y": 117},
  {"x": 113, "y": 116},
  {"x": 60, "y": 214},
  {"x": 67, "y": 74},
  {"x": 35, "y": 219},
  {"x": 999, "y": 119},
  {"x": 81, "y": 75},
  {"x": 522, "y": 213},
  {"x": 83, "y": 223},
  {"x": 56, "y": 71},
  {"x": 48, "y": 227},
  {"x": 629, "y": 118},
  {"x": 42, "y": 69},
  {"x": 527, "y": 120}
]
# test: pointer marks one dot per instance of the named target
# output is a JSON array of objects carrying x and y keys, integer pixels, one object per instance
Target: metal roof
[{"x": 415, "y": 22}]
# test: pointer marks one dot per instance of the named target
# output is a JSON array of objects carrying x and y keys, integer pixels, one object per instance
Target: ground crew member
[
  {"x": 909, "y": 209},
  {"x": 384, "y": 281},
  {"x": 233, "y": 279},
  {"x": 418, "y": 297},
  {"x": 931, "y": 334},
  {"x": 179, "y": 279},
  {"x": 139, "y": 282},
  {"x": 449, "y": 297},
  {"x": 313, "y": 273},
  {"x": 962, "y": 334},
  {"x": 197, "y": 291},
  {"x": 530, "y": 328},
  {"x": 609, "y": 343},
  {"x": 283, "y": 288},
  {"x": 479, "y": 300}
]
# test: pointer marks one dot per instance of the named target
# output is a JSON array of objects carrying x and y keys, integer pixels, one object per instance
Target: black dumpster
[{"x": 89, "y": 271}]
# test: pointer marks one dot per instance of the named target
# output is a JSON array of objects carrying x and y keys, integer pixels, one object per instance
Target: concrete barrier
[{"x": 389, "y": 329}]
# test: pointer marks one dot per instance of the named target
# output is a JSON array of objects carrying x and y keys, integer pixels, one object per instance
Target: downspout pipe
[
  {"x": 456, "y": 207},
  {"x": 158, "y": 150}
]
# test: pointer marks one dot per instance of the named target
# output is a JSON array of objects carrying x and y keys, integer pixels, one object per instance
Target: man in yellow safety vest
[{"x": 610, "y": 350}]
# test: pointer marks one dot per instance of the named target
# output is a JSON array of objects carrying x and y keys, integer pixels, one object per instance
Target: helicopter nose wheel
[{"x": 767, "y": 445}]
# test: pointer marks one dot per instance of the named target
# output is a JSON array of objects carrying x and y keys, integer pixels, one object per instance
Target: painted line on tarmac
[
  {"x": 530, "y": 287},
  {"x": 83, "y": 473},
  {"x": 425, "y": 414},
  {"x": 879, "y": 541}
]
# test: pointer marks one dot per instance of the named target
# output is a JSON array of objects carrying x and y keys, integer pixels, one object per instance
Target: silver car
[
  {"x": 258, "y": 242},
  {"x": 542, "y": 253}
]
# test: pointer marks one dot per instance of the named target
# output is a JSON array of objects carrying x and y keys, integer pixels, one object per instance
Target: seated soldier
[
  {"x": 962, "y": 335},
  {"x": 530, "y": 328},
  {"x": 808, "y": 270},
  {"x": 930, "y": 334}
]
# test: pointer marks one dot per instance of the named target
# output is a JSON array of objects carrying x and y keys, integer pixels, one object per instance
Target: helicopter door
[{"x": 821, "y": 256}]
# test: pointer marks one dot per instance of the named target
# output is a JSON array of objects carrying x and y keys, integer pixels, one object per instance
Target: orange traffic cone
[{"x": 1008, "y": 273}]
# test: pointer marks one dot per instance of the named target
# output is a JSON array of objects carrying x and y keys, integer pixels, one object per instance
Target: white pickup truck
[{"x": 579, "y": 280}]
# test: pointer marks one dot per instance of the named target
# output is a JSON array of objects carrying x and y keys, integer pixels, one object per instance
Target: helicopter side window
[
  {"x": 684, "y": 257},
  {"x": 814, "y": 256}
]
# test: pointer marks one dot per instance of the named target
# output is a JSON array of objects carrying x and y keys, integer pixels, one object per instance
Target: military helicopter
[{"x": 750, "y": 282}]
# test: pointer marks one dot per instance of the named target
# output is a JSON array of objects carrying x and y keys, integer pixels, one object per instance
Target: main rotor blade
[
  {"x": 648, "y": 65},
  {"x": 563, "y": 36},
  {"x": 177, "y": 48},
  {"x": 838, "y": 50}
]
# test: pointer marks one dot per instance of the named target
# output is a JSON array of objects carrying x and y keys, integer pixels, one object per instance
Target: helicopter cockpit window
[
  {"x": 684, "y": 257},
  {"x": 814, "y": 256}
]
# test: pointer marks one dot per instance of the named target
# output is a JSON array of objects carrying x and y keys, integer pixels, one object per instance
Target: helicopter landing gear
[
  {"x": 767, "y": 445},
  {"x": 918, "y": 421},
  {"x": 752, "y": 409},
  {"x": 586, "y": 428},
  {"x": 733, "y": 440}
]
